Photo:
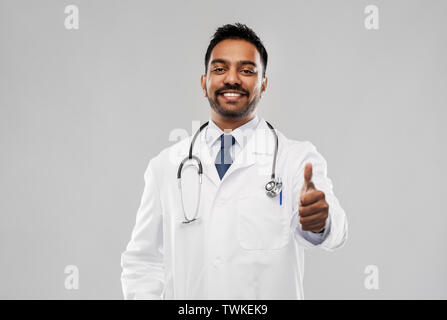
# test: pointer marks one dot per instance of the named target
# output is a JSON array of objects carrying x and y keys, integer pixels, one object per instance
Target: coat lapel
[{"x": 203, "y": 152}]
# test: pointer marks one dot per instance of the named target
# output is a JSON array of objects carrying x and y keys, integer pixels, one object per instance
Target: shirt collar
[{"x": 241, "y": 134}]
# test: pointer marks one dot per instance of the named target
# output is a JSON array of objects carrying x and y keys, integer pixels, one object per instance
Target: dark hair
[{"x": 237, "y": 31}]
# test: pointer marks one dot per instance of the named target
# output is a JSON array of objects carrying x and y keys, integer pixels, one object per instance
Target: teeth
[{"x": 231, "y": 94}]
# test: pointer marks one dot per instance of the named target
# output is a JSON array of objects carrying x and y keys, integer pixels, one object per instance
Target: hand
[{"x": 313, "y": 209}]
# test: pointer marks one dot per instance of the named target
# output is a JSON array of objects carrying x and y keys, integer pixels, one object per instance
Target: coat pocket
[{"x": 262, "y": 223}]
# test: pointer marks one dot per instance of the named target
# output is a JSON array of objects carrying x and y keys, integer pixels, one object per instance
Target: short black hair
[{"x": 237, "y": 31}]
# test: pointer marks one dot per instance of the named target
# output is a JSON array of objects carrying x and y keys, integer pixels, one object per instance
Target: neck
[{"x": 225, "y": 123}]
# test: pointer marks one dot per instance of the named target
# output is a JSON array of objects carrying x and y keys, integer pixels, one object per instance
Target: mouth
[{"x": 232, "y": 96}]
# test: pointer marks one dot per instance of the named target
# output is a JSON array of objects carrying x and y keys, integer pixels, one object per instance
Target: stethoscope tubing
[{"x": 200, "y": 169}]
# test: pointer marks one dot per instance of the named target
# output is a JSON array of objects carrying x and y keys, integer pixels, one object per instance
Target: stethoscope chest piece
[{"x": 273, "y": 188}]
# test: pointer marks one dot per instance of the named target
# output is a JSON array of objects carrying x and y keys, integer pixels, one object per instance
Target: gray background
[{"x": 83, "y": 111}]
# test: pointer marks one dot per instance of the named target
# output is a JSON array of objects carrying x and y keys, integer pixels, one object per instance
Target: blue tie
[{"x": 223, "y": 159}]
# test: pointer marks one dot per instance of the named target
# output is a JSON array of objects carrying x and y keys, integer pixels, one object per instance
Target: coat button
[
  {"x": 220, "y": 202},
  {"x": 217, "y": 261}
]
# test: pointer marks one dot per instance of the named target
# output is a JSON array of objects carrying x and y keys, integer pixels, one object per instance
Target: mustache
[{"x": 235, "y": 88}]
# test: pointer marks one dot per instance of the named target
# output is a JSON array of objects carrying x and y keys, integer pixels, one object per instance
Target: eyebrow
[{"x": 241, "y": 62}]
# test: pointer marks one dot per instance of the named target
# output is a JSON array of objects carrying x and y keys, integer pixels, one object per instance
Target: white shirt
[{"x": 240, "y": 134}]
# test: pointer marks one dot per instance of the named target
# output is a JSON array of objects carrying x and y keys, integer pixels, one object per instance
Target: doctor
[{"x": 244, "y": 244}]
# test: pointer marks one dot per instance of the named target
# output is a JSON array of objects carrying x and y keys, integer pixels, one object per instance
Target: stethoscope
[{"x": 272, "y": 188}]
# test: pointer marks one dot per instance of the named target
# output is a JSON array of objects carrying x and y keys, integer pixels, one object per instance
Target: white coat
[{"x": 244, "y": 244}]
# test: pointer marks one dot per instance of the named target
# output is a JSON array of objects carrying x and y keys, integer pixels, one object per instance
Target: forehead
[{"x": 233, "y": 50}]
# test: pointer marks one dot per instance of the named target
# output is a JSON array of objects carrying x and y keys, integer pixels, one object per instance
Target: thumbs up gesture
[{"x": 313, "y": 209}]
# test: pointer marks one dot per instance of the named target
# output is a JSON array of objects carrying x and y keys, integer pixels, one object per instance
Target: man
[{"x": 244, "y": 244}]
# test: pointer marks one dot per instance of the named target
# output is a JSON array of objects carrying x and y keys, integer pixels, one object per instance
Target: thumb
[
  {"x": 308, "y": 173},
  {"x": 308, "y": 184}
]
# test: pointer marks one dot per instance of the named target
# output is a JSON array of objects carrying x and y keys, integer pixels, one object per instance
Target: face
[{"x": 233, "y": 83}]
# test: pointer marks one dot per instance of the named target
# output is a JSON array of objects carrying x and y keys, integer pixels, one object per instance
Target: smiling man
[
  {"x": 234, "y": 80},
  {"x": 263, "y": 198}
]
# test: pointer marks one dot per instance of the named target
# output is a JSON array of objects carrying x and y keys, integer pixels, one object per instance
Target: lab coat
[{"x": 244, "y": 245}]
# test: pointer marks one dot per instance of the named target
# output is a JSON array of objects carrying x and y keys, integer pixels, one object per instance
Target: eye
[
  {"x": 218, "y": 70},
  {"x": 247, "y": 71}
]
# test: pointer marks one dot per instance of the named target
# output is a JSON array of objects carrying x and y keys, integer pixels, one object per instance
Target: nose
[{"x": 232, "y": 77}]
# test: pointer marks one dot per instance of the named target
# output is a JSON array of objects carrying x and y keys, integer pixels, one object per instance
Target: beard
[{"x": 242, "y": 112}]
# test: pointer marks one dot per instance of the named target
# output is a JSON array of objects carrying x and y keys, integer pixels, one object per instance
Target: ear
[
  {"x": 203, "y": 84},
  {"x": 264, "y": 85}
]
